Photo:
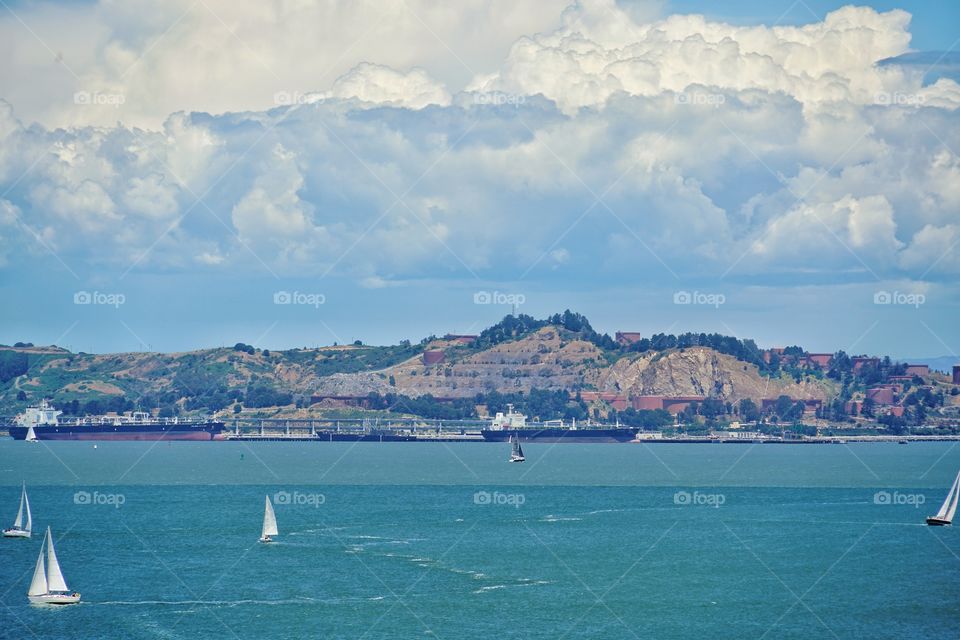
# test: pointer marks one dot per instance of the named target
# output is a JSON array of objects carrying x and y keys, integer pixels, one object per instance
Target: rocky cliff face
[
  {"x": 700, "y": 371},
  {"x": 546, "y": 360},
  {"x": 542, "y": 360}
]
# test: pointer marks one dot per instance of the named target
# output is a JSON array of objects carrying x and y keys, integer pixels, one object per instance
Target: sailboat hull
[
  {"x": 15, "y": 533},
  {"x": 937, "y": 522},
  {"x": 55, "y": 598}
]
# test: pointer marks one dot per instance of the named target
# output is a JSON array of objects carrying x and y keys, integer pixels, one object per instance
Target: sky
[{"x": 291, "y": 173}]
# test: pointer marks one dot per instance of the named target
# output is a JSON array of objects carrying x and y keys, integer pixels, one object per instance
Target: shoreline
[{"x": 477, "y": 438}]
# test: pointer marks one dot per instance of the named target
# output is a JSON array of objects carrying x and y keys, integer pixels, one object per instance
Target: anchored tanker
[
  {"x": 43, "y": 423},
  {"x": 513, "y": 426}
]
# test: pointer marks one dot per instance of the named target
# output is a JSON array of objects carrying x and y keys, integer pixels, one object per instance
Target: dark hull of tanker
[
  {"x": 332, "y": 436},
  {"x": 559, "y": 434},
  {"x": 199, "y": 431}
]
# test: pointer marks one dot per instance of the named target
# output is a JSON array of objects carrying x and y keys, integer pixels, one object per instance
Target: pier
[{"x": 353, "y": 430}]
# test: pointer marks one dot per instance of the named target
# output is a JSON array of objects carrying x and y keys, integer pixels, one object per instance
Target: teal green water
[{"x": 450, "y": 541}]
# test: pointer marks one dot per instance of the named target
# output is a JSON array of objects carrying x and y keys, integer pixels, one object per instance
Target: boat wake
[
  {"x": 523, "y": 582},
  {"x": 299, "y": 600},
  {"x": 553, "y": 518}
]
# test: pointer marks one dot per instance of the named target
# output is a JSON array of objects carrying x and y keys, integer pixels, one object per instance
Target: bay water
[{"x": 449, "y": 540}]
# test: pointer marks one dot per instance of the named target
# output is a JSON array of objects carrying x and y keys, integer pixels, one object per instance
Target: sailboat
[
  {"x": 21, "y": 527},
  {"x": 48, "y": 585},
  {"x": 516, "y": 454},
  {"x": 948, "y": 508},
  {"x": 269, "y": 523},
  {"x": 31, "y": 435}
]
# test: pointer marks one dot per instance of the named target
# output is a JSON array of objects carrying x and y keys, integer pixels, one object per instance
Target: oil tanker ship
[
  {"x": 44, "y": 423},
  {"x": 513, "y": 424}
]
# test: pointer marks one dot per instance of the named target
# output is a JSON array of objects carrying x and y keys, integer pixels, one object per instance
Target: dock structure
[
  {"x": 353, "y": 429},
  {"x": 434, "y": 430}
]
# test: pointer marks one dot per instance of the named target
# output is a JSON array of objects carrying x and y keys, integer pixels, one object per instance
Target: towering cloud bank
[{"x": 676, "y": 146}]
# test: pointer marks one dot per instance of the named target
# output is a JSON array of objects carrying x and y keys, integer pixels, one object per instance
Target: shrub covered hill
[{"x": 550, "y": 368}]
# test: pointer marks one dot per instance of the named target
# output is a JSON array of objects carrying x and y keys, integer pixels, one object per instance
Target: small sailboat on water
[
  {"x": 24, "y": 522},
  {"x": 48, "y": 585},
  {"x": 31, "y": 435},
  {"x": 516, "y": 454},
  {"x": 269, "y": 523},
  {"x": 948, "y": 508}
]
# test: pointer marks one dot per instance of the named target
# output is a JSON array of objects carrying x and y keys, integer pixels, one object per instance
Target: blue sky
[
  {"x": 174, "y": 178},
  {"x": 933, "y": 27}
]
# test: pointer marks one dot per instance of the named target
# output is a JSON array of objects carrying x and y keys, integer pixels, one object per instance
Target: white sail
[
  {"x": 38, "y": 586},
  {"x": 26, "y": 506},
  {"x": 55, "y": 581},
  {"x": 19, "y": 521},
  {"x": 516, "y": 453},
  {"x": 269, "y": 520},
  {"x": 31, "y": 434},
  {"x": 949, "y": 507}
]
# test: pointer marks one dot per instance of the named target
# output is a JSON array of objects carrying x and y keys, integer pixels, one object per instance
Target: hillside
[
  {"x": 561, "y": 356},
  {"x": 543, "y": 360},
  {"x": 205, "y": 379},
  {"x": 549, "y": 360}
]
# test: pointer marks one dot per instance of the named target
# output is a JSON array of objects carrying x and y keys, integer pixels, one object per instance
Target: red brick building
[
  {"x": 627, "y": 338},
  {"x": 918, "y": 370},
  {"x": 648, "y": 403},
  {"x": 615, "y": 400},
  {"x": 773, "y": 351},
  {"x": 676, "y": 404},
  {"x": 882, "y": 395},
  {"x": 821, "y": 360}
]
